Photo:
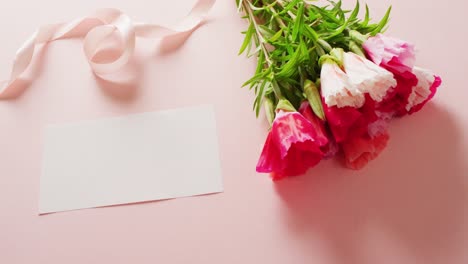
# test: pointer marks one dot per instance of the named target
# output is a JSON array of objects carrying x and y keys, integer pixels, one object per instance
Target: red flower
[
  {"x": 359, "y": 151},
  {"x": 393, "y": 54},
  {"x": 349, "y": 122},
  {"x": 328, "y": 145},
  {"x": 415, "y": 86},
  {"x": 394, "y": 104},
  {"x": 359, "y": 132},
  {"x": 424, "y": 91},
  {"x": 414, "y": 89},
  {"x": 292, "y": 146},
  {"x": 341, "y": 121}
]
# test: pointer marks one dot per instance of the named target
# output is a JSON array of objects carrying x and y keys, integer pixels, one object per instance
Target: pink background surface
[{"x": 409, "y": 206}]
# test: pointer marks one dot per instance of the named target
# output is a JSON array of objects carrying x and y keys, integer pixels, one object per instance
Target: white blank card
[{"x": 141, "y": 157}]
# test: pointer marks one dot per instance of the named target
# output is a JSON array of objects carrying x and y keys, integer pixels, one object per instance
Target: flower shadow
[{"x": 408, "y": 205}]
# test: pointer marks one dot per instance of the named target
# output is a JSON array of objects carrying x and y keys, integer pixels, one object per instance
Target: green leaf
[
  {"x": 355, "y": 12},
  {"x": 325, "y": 14},
  {"x": 336, "y": 6},
  {"x": 304, "y": 52},
  {"x": 337, "y": 31},
  {"x": 260, "y": 63},
  {"x": 310, "y": 33},
  {"x": 257, "y": 50},
  {"x": 239, "y": 4},
  {"x": 299, "y": 22},
  {"x": 266, "y": 32},
  {"x": 291, "y": 66},
  {"x": 366, "y": 17},
  {"x": 260, "y": 96},
  {"x": 276, "y": 36},
  {"x": 382, "y": 22},
  {"x": 248, "y": 38},
  {"x": 338, "y": 11},
  {"x": 256, "y": 78},
  {"x": 261, "y": 8},
  {"x": 289, "y": 6}
]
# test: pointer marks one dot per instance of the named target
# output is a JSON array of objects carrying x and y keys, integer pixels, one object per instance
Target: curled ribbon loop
[
  {"x": 92, "y": 42},
  {"x": 97, "y": 29}
]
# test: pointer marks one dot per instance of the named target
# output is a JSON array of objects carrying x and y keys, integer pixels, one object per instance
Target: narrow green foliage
[
  {"x": 290, "y": 6},
  {"x": 291, "y": 37},
  {"x": 382, "y": 23},
  {"x": 276, "y": 36},
  {"x": 298, "y": 25},
  {"x": 248, "y": 38},
  {"x": 312, "y": 94},
  {"x": 366, "y": 17},
  {"x": 355, "y": 13}
]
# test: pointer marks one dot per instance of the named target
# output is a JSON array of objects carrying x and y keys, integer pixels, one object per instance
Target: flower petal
[
  {"x": 301, "y": 156},
  {"x": 325, "y": 140},
  {"x": 368, "y": 77},
  {"x": 291, "y": 147},
  {"x": 319, "y": 126},
  {"x": 424, "y": 90},
  {"x": 392, "y": 53},
  {"x": 396, "y": 100},
  {"x": 341, "y": 121},
  {"x": 270, "y": 157},
  {"x": 336, "y": 88},
  {"x": 359, "y": 151}
]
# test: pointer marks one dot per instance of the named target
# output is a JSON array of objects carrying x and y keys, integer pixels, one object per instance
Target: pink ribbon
[{"x": 96, "y": 30}]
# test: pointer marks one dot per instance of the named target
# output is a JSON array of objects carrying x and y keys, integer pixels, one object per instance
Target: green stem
[
  {"x": 277, "y": 90},
  {"x": 261, "y": 40},
  {"x": 357, "y": 37},
  {"x": 281, "y": 3},
  {"x": 275, "y": 15},
  {"x": 279, "y": 20},
  {"x": 259, "y": 35},
  {"x": 356, "y": 49}
]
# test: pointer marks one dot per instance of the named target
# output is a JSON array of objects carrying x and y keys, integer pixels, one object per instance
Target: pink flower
[
  {"x": 292, "y": 146},
  {"x": 367, "y": 76},
  {"x": 415, "y": 86},
  {"x": 424, "y": 90},
  {"x": 391, "y": 53},
  {"x": 337, "y": 90}
]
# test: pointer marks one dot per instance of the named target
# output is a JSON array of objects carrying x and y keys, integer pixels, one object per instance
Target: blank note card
[{"x": 141, "y": 157}]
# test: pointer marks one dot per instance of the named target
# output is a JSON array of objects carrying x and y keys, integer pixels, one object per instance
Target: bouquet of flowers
[{"x": 329, "y": 82}]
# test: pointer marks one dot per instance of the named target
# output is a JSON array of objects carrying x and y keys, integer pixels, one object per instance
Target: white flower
[
  {"x": 422, "y": 91},
  {"x": 336, "y": 88},
  {"x": 368, "y": 77}
]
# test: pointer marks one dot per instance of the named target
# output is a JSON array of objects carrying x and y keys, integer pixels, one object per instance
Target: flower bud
[
  {"x": 338, "y": 55},
  {"x": 325, "y": 45},
  {"x": 285, "y": 105},
  {"x": 356, "y": 49},
  {"x": 269, "y": 110},
  {"x": 358, "y": 37},
  {"x": 313, "y": 96}
]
